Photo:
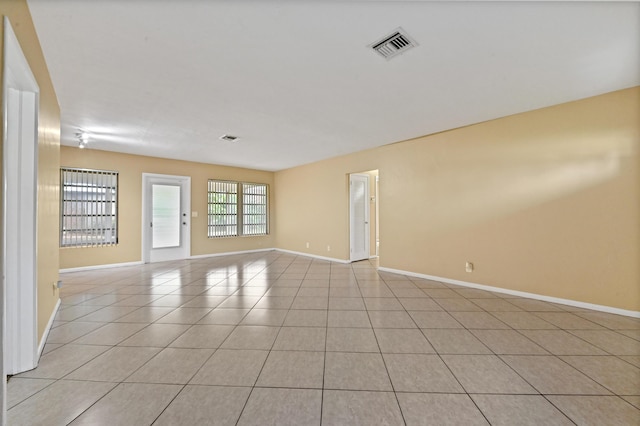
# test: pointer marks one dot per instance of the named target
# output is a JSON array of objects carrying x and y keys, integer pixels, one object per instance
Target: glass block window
[
  {"x": 237, "y": 209},
  {"x": 89, "y": 208}
]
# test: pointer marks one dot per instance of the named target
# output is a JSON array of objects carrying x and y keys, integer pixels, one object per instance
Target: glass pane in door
[{"x": 165, "y": 216}]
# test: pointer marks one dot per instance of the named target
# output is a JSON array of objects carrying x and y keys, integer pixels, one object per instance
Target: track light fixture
[{"x": 83, "y": 139}]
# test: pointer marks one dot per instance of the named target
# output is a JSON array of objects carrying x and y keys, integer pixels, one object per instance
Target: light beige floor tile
[
  {"x": 251, "y": 337},
  {"x": 58, "y": 404},
  {"x": 420, "y": 373},
  {"x": 114, "y": 365},
  {"x": 64, "y": 360},
  {"x": 211, "y": 405},
  {"x": 434, "y": 319},
  {"x": 507, "y": 410},
  {"x": 596, "y": 410},
  {"x": 424, "y": 283},
  {"x": 349, "y": 319},
  {"x": 171, "y": 300},
  {"x": 293, "y": 369},
  {"x": 203, "y": 336},
  {"x": 301, "y": 318},
  {"x": 146, "y": 314},
  {"x": 616, "y": 322},
  {"x": 419, "y": 304},
  {"x": 402, "y": 341},
  {"x": 108, "y": 314},
  {"x": 376, "y": 292},
  {"x": 19, "y": 389},
  {"x": 355, "y": 371},
  {"x": 611, "y": 341},
  {"x": 346, "y": 304},
  {"x": 240, "y": 302},
  {"x": 496, "y": 305},
  {"x": 409, "y": 292},
  {"x": 486, "y": 374},
  {"x": 171, "y": 366},
  {"x": 550, "y": 375},
  {"x": 615, "y": 374},
  {"x": 344, "y": 292},
  {"x": 71, "y": 331},
  {"x": 74, "y": 312},
  {"x": 306, "y": 290},
  {"x": 523, "y": 321},
  {"x": 531, "y": 305},
  {"x": 508, "y": 342},
  {"x": 110, "y": 334},
  {"x": 455, "y": 341},
  {"x": 310, "y": 303},
  {"x": 274, "y": 302},
  {"x": 479, "y": 320},
  {"x": 560, "y": 342},
  {"x": 439, "y": 409},
  {"x": 137, "y": 300},
  {"x": 441, "y": 293},
  {"x": 633, "y": 400},
  {"x": 48, "y": 347},
  {"x": 568, "y": 321},
  {"x": 282, "y": 407},
  {"x": 631, "y": 359},
  {"x": 184, "y": 316},
  {"x": 204, "y": 302},
  {"x": 156, "y": 335},
  {"x": 301, "y": 339},
  {"x": 457, "y": 305},
  {"x": 360, "y": 408},
  {"x": 351, "y": 340},
  {"x": 475, "y": 294},
  {"x": 391, "y": 319},
  {"x": 224, "y": 316},
  {"x": 282, "y": 292},
  {"x": 269, "y": 317},
  {"x": 383, "y": 304},
  {"x": 130, "y": 404},
  {"x": 231, "y": 368}
]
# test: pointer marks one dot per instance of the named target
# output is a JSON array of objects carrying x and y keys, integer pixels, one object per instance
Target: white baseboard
[
  {"x": 298, "y": 253},
  {"x": 229, "y": 253},
  {"x": 569, "y": 302},
  {"x": 108, "y": 265},
  {"x": 43, "y": 340}
]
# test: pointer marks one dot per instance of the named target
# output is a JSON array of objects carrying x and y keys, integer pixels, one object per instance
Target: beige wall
[
  {"x": 131, "y": 168},
  {"x": 48, "y": 157},
  {"x": 545, "y": 202}
]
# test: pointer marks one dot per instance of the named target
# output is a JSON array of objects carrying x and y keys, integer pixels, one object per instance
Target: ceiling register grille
[{"x": 393, "y": 45}]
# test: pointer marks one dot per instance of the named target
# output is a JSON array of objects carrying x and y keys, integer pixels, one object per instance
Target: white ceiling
[{"x": 296, "y": 81}]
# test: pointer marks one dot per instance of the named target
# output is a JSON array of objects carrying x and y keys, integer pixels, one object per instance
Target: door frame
[
  {"x": 149, "y": 179},
  {"x": 367, "y": 238},
  {"x": 19, "y": 316}
]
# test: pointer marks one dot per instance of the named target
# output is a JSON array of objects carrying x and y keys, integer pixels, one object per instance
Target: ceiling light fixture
[
  {"x": 83, "y": 139},
  {"x": 229, "y": 138}
]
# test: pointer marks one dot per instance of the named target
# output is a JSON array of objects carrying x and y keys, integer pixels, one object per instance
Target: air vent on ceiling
[
  {"x": 394, "y": 44},
  {"x": 229, "y": 138}
]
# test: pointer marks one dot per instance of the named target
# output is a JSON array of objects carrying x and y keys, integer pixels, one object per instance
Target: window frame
[
  {"x": 101, "y": 208},
  {"x": 240, "y": 211}
]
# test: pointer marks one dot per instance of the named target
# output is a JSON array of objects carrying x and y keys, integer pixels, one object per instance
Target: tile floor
[{"x": 273, "y": 338}]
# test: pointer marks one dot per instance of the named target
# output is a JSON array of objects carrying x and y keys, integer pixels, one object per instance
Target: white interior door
[
  {"x": 166, "y": 217},
  {"x": 359, "y": 216},
  {"x": 19, "y": 323}
]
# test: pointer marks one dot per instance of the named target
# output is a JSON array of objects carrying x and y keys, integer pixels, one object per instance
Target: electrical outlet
[
  {"x": 328, "y": 248},
  {"x": 468, "y": 267},
  {"x": 307, "y": 244}
]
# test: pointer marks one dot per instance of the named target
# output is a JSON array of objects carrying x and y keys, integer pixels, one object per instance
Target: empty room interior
[{"x": 320, "y": 212}]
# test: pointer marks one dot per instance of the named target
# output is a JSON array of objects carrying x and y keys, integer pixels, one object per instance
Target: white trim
[
  {"x": 229, "y": 253},
  {"x": 92, "y": 267},
  {"x": 298, "y": 253},
  {"x": 45, "y": 335},
  {"x": 569, "y": 302}
]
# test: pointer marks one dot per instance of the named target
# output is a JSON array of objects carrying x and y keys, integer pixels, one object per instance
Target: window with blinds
[
  {"x": 237, "y": 209},
  {"x": 89, "y": 208}
]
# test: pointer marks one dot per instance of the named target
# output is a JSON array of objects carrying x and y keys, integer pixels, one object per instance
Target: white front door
[
  {"x": 166, "y": 223},
  {"x": 359, "y": 216}
]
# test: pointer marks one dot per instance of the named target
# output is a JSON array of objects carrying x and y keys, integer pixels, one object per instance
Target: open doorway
[
  {"x": 19, "y": 210},
  {"x": 363, "y": 215}
]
